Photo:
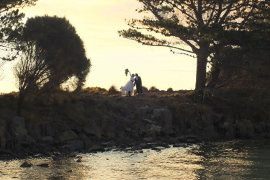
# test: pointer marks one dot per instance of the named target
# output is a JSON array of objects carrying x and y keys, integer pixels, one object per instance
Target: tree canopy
[
  {"x": 10, "y": 24},
  {"x": 201, "y": 25},
  {"x": 64, "y": 50}
]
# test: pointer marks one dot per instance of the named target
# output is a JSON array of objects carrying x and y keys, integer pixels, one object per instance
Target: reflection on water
[{"x": 229, "y": 160}]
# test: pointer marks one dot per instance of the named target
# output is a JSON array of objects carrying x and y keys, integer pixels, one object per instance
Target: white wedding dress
[{"x": 128, "y": 87}]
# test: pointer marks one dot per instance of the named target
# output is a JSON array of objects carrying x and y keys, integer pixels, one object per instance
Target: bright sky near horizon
[{"x": 97, "y": 23}]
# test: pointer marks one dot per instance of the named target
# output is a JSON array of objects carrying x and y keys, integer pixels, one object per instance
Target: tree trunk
[
  {"x": 201, "y": 68},
  {"x": 214, "y": 77}
]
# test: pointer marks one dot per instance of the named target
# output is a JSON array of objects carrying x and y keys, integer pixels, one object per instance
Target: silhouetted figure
[{"x": 138, "y": 83}]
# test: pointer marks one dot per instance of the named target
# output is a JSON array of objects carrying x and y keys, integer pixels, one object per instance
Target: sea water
[{"x": 220, "y": 160}]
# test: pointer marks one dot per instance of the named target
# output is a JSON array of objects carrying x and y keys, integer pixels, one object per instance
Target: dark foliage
[
  {"x": 201, "y": 25},
  {"x": 10, "y": 26},
  {"x": 64, "y": 50},
  {"x": 32, "y": 72},
  {"x": 112, "y": 90}
]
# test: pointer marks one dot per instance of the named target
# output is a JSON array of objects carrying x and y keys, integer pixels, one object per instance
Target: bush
[
  {"x": 144, "y": 89},
  {"x": 113, "y": 90},
  {"x": 96, "y": 90},
  {"x": 153, "y": 89},
  {"x": 170, "y": 90}
]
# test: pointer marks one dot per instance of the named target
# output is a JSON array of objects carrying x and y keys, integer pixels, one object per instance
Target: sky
[{"x": 97, "y": 22}]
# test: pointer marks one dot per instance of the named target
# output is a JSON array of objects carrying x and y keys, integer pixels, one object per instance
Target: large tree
[
  {"x": 198, "y": 24},
  {"x": 63, "y": 48},
  {"x": 10, "y": 24}
]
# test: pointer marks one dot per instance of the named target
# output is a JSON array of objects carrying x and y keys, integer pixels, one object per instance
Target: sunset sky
[{"x": 97, "y": 23}]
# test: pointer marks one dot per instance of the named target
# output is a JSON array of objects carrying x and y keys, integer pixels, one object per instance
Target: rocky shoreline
[{"x": 94, "y": 122}]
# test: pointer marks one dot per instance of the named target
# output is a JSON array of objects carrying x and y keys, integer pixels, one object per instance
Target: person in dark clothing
[{"x": 138, "y": 83}]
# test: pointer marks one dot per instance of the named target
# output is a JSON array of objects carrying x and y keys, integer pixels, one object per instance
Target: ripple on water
[{"x": 229, "y": 160}]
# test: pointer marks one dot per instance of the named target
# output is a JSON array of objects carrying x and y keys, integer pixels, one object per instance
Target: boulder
[
  {"x": 2, "y": 134},
  {"x": 74, "y": 145},
  {"x": 245, "y": 129},
  {"x": 92, "y": 130},
  {"x": 95, "y": 148},
  {"x": 39, "y": 129},
  {"x": 25, "y": 164},
  {"x": 19, "y": 134},
  {"x": 66, "y": 136},
  {"x": 153, "y": 130},
  {"x": 47, "y": 139},
  {"x": 145, "y": 110},
  {"x": 17, "y": 125},
  {"x": 164, "y": 119},
  {"x": 43, "y": 165}
]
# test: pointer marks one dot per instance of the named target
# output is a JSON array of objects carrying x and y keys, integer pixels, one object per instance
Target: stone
[
  {"x": 2, "y": 134},
  {"x": 19, "y": 133},
  {"x": 74, "y": 145},
  {"x": 92, "y": 130},
  {"x": 145, "y": 110},
  {"x": 164, "y": 118},
  {"x": 148, "y": 139},
  {"x": 153, "y": 130},
  {"x": 2, "y": 142},
  {"x": 95, "y": 148},
  {"x": 56, "y": 158},
  {"x": 25, "y": 164},
  {"x": 245, "y": 129},
  {"x": 47, "y": 139},
  {"x": 17, "y": 125},
  {"x": 66, "y": 136},
  {"x": 43, "y": 165},
  {"x": 189, "y": 138}
]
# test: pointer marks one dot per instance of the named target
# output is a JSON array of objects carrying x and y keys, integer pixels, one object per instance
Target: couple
[{"x": 134, "y": 80}]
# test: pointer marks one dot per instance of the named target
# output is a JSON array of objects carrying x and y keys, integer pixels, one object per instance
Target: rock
[
  {"x": 86, "y": 140},
  {"x": 79, "y": 160},
  {"x": 56, "y": 158},
  {"x": 189, "y": 139},
  {"x": 95, "y": 148},
  {"x": 17, "y": 125},
  {"x": 164, "y": 119},
  {"x": 43, "y": 165},
  {"x": 74, "y": 145},
  {"x": 19, "y": 133},
  {"x": 148, "y": 139},
  {"x": 2, "y": 142},
  {"x": 145, "y": 111},
  {"x": 18, "y": 122},
  {"x": 2, "y": 134},
  {"x": 40, "y": 129},
  {"x": 26, "y": 164},
  {"x": 47, "y": 139},
  {"x": 245, "y": 129},
  {"x": 66, "y": 136},
  {"x": 92, "y": 130},
  {"x": 153, "y": 130}
]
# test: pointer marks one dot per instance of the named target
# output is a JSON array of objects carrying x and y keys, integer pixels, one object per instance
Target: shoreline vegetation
[{"x": 96, "y": 119}]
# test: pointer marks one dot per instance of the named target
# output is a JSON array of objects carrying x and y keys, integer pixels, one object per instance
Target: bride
[{"x": 128, "y": 88}]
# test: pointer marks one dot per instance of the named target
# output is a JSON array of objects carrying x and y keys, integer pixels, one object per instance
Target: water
[{"x": 227, "y": 160}]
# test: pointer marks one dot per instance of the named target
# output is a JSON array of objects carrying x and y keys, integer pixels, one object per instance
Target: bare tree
[{"x": 31, "y": 72}]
